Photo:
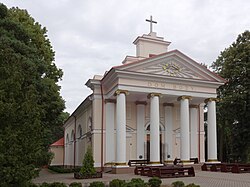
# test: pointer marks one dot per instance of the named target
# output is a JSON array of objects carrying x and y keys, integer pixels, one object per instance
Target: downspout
[
  {"x": 102, "y": 128},
  {"x": 199, "y": 134},
  {"x": 75, "y": 143}
]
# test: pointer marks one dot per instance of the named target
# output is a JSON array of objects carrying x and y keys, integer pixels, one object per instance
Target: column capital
[
  {"x": 110, "y": 101},
  {"x": 141, "y": 102},
  {"x": 168, "y": 104},
  {"x": 184, "y": 97},
  {"x": 193, "y": 106},
  {"x": 118, "y": 92},
  {"x": 154, "y": 94},
  {"x": 211, "y": 99}
]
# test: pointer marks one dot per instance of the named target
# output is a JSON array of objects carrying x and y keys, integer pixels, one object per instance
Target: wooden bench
[
  {"x": 227, "y": 167},
  {"x": 138, "y": 162},
  {"x": 216, "y": 167},
  {"x": 138, "y": 169},
  {"x": 177, "y": 161},
  {"x": 241, "y": 168},
  {"x": 172, "y": 172},
  {"x": 207, "y": 166},
  {"x": 147, "y": 170}
]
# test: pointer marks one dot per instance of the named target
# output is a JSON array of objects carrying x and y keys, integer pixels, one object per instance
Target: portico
[{"x": 182, "y": 109}]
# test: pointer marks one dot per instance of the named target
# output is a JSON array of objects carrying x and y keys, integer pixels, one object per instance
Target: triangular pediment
[{"x": 172, "y": 64}]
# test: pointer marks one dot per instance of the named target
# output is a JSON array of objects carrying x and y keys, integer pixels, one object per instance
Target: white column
[
  {"x": 140, "y": 121},
  {"x": 185, "y": 141},
  {"x": 110, "y": 134},
  {"x": 201, "y": 134},
  {"x": 194, "y": 131},
  {"x": 211, "y": 130},
  {"x": 154, "y": 128},
  {"x": 121, "y": 127},
  {"x": 168, "y": 144}
]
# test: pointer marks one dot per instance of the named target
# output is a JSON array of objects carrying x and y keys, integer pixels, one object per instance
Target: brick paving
[{"x": 203, "y": 178}]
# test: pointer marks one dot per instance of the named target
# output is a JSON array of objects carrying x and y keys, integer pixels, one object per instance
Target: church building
[{"x": 151, "y": 106}]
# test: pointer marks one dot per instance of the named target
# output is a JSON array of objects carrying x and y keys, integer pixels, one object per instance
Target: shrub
[
  {"x": 88, "y": 163},
  {"x": 135, "y": 182},
  {"x": 154, "y": 182},
  {"x": 75, "y": 184},
  {"x": 116, "y": 183},
  {"x": 54, "y": 184},
  {"x": 178, "y": 184},
  {"x": 32, "y": 185},
  {"x": 57, "y": 184},
  {"x": 44, "y": 184},
  {"x": 192, "y": 185},
  {"x": 97, "y": 184}
]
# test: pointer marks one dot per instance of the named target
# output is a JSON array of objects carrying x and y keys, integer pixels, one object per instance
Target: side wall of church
[
  {"x": 77, "y": 136},
  {"x": 83, "y": 138},
  {"x": 69, "y": 143}
]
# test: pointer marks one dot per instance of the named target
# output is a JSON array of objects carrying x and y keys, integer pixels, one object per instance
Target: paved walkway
[{"x": 203, "y": 178}]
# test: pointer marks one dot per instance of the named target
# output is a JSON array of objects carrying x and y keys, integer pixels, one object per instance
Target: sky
[{"x": 91, "y": 36}]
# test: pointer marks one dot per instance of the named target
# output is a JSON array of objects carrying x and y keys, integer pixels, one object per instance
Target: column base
[
  {"x": 154, "y": 163},
  {"x": 168, "y": 161},
  {"x": 120, "y": 165},
  {"x": 213, "y": 161},
  {"x": 186, "y": 162}
]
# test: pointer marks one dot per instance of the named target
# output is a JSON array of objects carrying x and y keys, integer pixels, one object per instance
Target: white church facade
[{"x": 149, "y": 107}]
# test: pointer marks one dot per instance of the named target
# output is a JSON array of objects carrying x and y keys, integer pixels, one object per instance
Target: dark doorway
[{"x": 148, "y": 148}]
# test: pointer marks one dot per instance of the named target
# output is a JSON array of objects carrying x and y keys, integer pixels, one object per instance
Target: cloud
[{"x": 91, "y": 36}]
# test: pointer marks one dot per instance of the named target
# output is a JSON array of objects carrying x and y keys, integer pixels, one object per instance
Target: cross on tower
[{"x": 151, "y": 23}]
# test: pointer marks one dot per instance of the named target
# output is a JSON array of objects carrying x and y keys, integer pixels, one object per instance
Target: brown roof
[{"x": 58, "y": 142}]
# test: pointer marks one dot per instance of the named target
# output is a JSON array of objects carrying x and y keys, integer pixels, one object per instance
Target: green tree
[
  {"x": 233, "y": 64},
  {"x": 88, "y": 163},
  {"x": 31, "y": 108}
]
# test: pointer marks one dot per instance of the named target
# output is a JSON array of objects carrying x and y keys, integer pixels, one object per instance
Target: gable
[
  {"x": 170, "y": 67},
  {"x": 172, "y": 64}
]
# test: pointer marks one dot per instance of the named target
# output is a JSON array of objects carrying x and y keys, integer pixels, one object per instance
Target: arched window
[
  {"x": 161, "y": 127},
  {"x": 67, "y": 138},
  {"x": 72, "y": 136},
  {"x": 79, "y": 131},
  {"x": 90, "y": 123}
]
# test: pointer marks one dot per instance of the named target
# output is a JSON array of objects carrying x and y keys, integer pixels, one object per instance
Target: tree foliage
[
  {"x": 233, "y": 64},
  {"x": 31, "y": 108}
]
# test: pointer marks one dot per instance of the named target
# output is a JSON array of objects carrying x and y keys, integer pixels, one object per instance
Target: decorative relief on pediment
[{"x": 170, "y": 68}]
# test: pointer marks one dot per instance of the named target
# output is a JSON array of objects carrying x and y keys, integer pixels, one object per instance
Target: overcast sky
[{"x": 91, "y": 36}]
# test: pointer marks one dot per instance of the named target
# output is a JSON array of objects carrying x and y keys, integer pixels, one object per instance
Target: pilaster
[
  {"x": 140, "y": 121},
  {"x": 168, "y": 144}
]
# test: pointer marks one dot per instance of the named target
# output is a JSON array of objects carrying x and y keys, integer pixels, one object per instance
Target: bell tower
[{"x": 150, "y": 44}]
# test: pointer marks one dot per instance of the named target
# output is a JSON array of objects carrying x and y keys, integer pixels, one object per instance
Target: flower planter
[{"x": 93, "y": 176}]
